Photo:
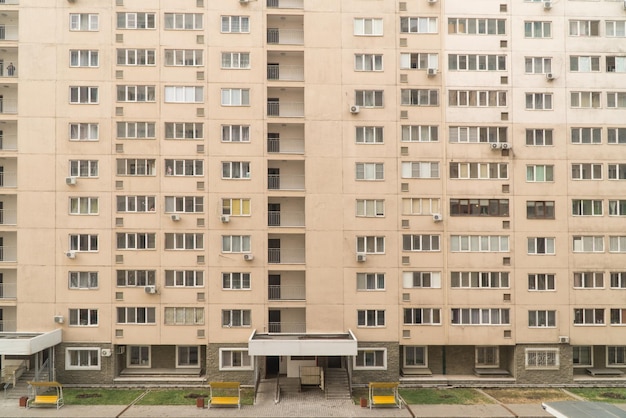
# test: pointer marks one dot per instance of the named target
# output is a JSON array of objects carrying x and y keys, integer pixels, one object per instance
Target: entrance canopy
[
  {"x": 27, "y": 343},
  {"x": 302, "y": 344}
]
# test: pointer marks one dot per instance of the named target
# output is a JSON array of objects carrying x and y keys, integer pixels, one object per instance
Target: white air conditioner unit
[
  {"x": 624, "y": 4},
  {"x": 105, "y": 352},
  {"x": 360, "y": 257},
  {"x": 431, "y": 72},
  {"x": 150, "y": 290},
  {"x": 437, "y": 217},
  {"x": 120, "y": 349},
  {"x": 70, "y": 180},
  {"x": 248, "y": 257},
  {"x": 70, "y": 254},
  {"x": 563, "y": 339},
  {"x": 494, "y": 145},
  {"x": 225, "y": 218},
  {"x": 549, "y": 76},
  {"x": 175, "y": 217},
  {"x": 355, "y": 109},
  {"x": 432, "y": 1},
  {"x": 547, "y": 4},
  {"x": 59, "y": 319},
  {"x": 244, "y": 1},
  {"x": 505, "y": 145}
]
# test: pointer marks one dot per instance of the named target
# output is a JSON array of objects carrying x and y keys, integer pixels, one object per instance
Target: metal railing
[
  {"x": 285, "y": 72},
  {"x": 8, "y": 143},
  {"x": 286, "y": 292},
  {"x": 8, "y": 217},
  {"x": 8, "y": 32},
  {"x": 285, "y": 4},
  {"x": 285, "y": 182},
  {"x": 8, "y": 290},
  {"x": 285, "y": 256},
  {"x": 8, "y": 254},
  {"x": 285, "y": 36},
  {"x": 9, "y": 1},
  {"x": 7, "y": 325},
  {"x": 285, "y": 218},
  {"x": 286, "y": 327},
  {"x": 285, "y": 109},
  {"x": 8, "y": 179},
  {"x": 285, "y": 145},
  {"x": 8, "y": 106}
]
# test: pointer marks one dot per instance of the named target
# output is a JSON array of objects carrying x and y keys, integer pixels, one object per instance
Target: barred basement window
[{"x": 541, "y": 358}]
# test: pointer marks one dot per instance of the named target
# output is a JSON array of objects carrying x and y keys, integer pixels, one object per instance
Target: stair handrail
[{"x": 277, "y": 391}]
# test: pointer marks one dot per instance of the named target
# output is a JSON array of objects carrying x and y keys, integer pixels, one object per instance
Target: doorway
[
  {"x": 273, "y": 250},
  {"x": 273, "y": 214},
  {"x": 273, "y": 142},
  {"x": 273, "y": 282},
  {"x": 273, "y": 178},
  {"x": 273, "y": 106},
  {"x": 274, "y": 320},
  {"x": 333, "y": 362},
  {"x": 272, "y": 366}
]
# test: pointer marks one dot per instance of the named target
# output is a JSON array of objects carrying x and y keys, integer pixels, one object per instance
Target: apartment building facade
[{"x": 229, "y": 190}]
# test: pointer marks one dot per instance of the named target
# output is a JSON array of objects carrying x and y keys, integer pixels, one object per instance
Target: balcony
[
  {"x": 8, "y": 291},
  {"x": 285, "y": 102},
  {"x": 285, "y": 138},
  {"x": 286, "y": 249},
  {"x": 285, "y": 212},
  {"x": 285, "y": 30},
  {"x": 285, "y": 175},
  {"x": 285, "y": 4},
  {"x": 286, "y": 286},
  {"x": 7, "y": 325},
  {"x": 9, "y": 2},
  {"x": 287, "y": 321},
  {"x": 285, "y": 72}
]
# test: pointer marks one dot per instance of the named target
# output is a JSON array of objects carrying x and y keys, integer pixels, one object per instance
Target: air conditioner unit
[
  {"x": 547, "y": 4},
  {"x": 105, "y": 352},
  {"x": 432, "y": 1},
  {"x": 431, "y": 72},
  {"x": 563, "y": 339},
  {"x": 225, "y": 218},
  {"x": 244, "y": 1},
  {"x": 120, "y": 349},
  {"x": 248, "y": 257},
  {"x": 70, "y": 180},
  {"x": 355, "y": 109},
  {"x": 506, "y": 146},
  {"x": 70, "y": 254},
  {"x": 361, "y": 257},
  {"x": 437, "y": 217},
  {"x": 150, "y": 290},
  {"x": 549, "y": 76},
  {"x": 494, "y": 145},
  {"x": 59, "y": 319},
  {"x": 175, "y": 217},
  {"x": 624, "y": 4}
]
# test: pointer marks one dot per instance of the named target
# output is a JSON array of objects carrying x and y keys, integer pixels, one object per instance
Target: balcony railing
[
  {"x": 285, "y": 4},
  {"x": 8, "y": 179},
  {"x": 285, "y": 36},
  {"x": 7, "y": 325},
  {"x": 285, "y": 109},
  {"x": 287, "y": 327},
  {"x": 8, "y": 142},
  {"x": 285, "y": 218},
  {"x": 285, "y": 256},
  {"x": 8, "y": 217},
  {"x": 282, "y": 292},
  {"x": 285, "y": 182},
  {"x": 8, "y": 32},
  {"x": 9, "y": 2},
  {"x": 8, "y": 106},
  {"x": 285, "y": 145},
  {"x": 285, "y": 72},
  {"x": 8, "y": 290},
  {"x": 8, "y": 254}
]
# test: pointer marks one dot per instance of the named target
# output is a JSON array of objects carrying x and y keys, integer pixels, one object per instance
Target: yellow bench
[
  {"x": 45, "y": 399},
  {"x": 390, "y": 396},
  {"x": 223, "y": 394}
]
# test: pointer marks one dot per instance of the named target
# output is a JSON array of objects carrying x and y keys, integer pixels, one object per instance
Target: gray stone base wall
[
  {"x": 103, "y": 376},
  {"x": 561, "y": 375},
  {"x": 391, "y": 374},
  {"x": 245, "y": 377}
]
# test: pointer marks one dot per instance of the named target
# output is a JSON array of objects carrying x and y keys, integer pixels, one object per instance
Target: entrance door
[
  {"x": 272, "y": 366},
  {"x": 274, "y": 320},
  {"x": 333, "y": 362},
  {"x": 273, "y": 250},
  {"x": 273, "y": 142},
  {"x": 273, "y": 214},
  {"x": 273, "y": 35},
  {"x": 273, "y": 282},
  {"x": 273, "y": 178},
  {"x": 273, "y": 71},
  {"x": 273, "y": 106}
]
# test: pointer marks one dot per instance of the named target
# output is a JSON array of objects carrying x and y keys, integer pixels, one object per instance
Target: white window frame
[
  {"x": 368, "y": 26},
  {"x": 369, "y": 135},
  {"x": 135, "y": 130},
  {"x": 183, "y": 21},
  {"x": 183, "y": 315},
  {"x": 134, "y": 57},
  {"x": 538, "y": 65},
  {"x": 615, "y": 28},
  {"x": 480, "y": 316},
  {"x": 478, "y": 134},
  {"x": 479, "y": 243},
  {"x": 368, "y": 62},
  {"x": 184, "y": 241},
  {"x": 370, "y": 244},
  {"x": 184, "y": 94},
  {"x": 188, "y": 354},
  {"x": 83, "y": 205},
  {"x": 487, "y": 356},
  {"x": 370, "y": 282},
  {"x": 136, "y": 94},
  {"x": 584, "y": 63},
  {"x": 419, "y": 97},
  {"x": 235, "y": 133},
  {"x": 84, "y": 131},
  {"x": 241, "y": 171},
  {"x": 421, "y": 242},
  {"x": 370, "y": 208},
  {"x": 369, "y": 98},
  {"x": 617, "y": 279},
  {"x": 421, "y": 316},
  {"x": 420, "y": 133},
  {"x": 585, "y": 99},
  {"x": 479, "y": 280},
  {"x": 542, "y": 318},
  {"x": 83, "y": 280},
  {"x": 135, "y": 278},
  {"x": 92, "y": 353},
  {"x": 148, "y": 313},
  {"x": 235, "y": 97},
  {"x": 586, "y": 135},
  {"x": 84, "y": 58},
  {"x": 588, "y": 243},
  {"x": 84, "y": 22},
  {"x": 541, "y": 282},
  {"x": 584, "y": 28},
  {"x": 589, "y": 317},
  {"x": 541, "y": 358},
  {"x": 184, "y": 278},
  {"x": 84, "y": 95},
  {"x": 588, "y": 280},
  {"x": 135, "y": 241},
  {"x": 235, "y": 60},
  {"x": 134, "y": 204},
  {"x": 476, "y": 62},
  {"x": 184, "y": 130},
  {"x": 131, "y": 20},
  {"x": 243, "y": 318},
  {"x": 421, "y": 205},
  {"x": 576, "y": 354},
  {"x": 419, "y": 25},
  {"x": 236, "y": 244},
  {"x": 479, "y": 171},
  {"x": 617, "y": 243},
  {"x": 419, "y": 61},
  {"x": 371, "y": 318},
  {"x": 83, "y": 317},
  {"x": 420, "y": 170},
  {"x": 230, "y": 367},
  {"x": 540, "y": 173},
  {"x": 587, "y": 207},
  {"x": 541, "y": 246},
  {"x": 370, "y": 171},
  {"x": 421, "y": 279},
  {"x": 235, "y": 24},
  {"x": 539, "y": 101},
  {"x": 476, "y": 26},
  {"x": 184, "y": 168},
  {"x": 236, "y": 281},
  {"x": 184, "y": 204},
  {"x": 616, "y": 172},
  {"x": 414, "y": 364},
  {"x": 184, "y": 57},
  {"x": 538, "y": 29},
  {"x": 619, "y": 352},
  {"x": 616, "y": 99},
  {"x": 242, "y": 203},
  {"x": 616, "y": 136},
  {"x": 83, "y": 242},
  {"x": 139, "y": 167}
]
